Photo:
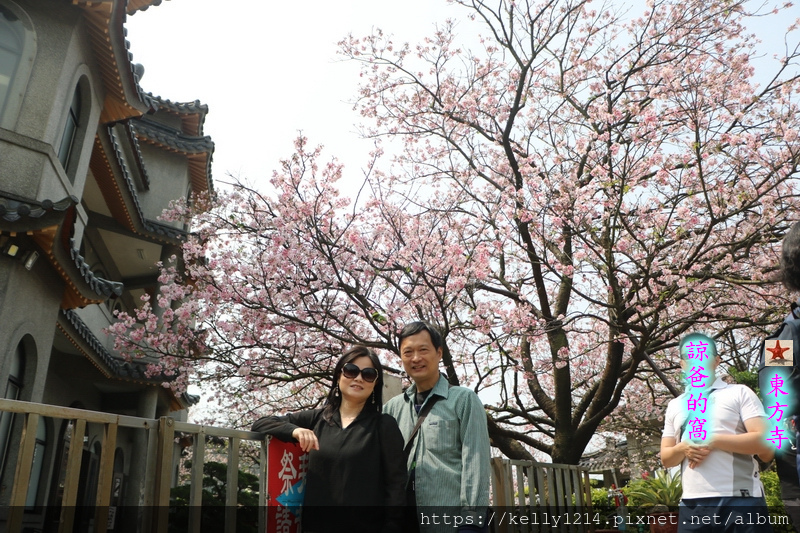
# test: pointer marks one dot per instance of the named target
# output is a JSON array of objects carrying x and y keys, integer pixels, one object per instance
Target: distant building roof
[{"x": 609, "y": 458}]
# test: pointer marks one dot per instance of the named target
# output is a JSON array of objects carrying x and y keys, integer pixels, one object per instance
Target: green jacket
[{"x": 451, "y": 453}]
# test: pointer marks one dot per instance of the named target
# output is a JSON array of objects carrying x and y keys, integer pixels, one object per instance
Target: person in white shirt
[{"x": 713, "y": 431}]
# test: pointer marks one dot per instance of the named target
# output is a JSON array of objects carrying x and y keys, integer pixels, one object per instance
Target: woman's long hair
[{"x": 374, "y": 401}]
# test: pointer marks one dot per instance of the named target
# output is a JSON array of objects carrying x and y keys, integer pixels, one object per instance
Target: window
[
  {"x": 70, "y": 135},
  {"x": 76, "y": 132},
  {"x": 12, "y": 41},
  {"x": 17, "y": 49},
  {"x": 36, "y": 467},
  {"x": 12, "y": 392},
  {"x": 16, "y": 375}
]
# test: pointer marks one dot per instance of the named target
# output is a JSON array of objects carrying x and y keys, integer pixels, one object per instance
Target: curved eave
[
  {"x": 191, "y": 114},
  {"x": 100, "y": 286},
  {"x": 82, "y": 288},
  {"x": 42, "y": 222},
  {"x": 85, "y": 341},
  {"x": 115, "y": 196},
  {"x": 34, "y": 215},
  {"x": 141, "y": 5},
  {"x": 124, "y": 98},
  {"x": 197, "y": 150},
  {"x": 607, "y": 459},
  {"x": 106, "y": 181},
  {"x": 172, "y": 140}
]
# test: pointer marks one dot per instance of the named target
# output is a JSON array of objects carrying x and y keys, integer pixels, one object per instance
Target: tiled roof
[
  {"x": 120, "y": 79},
  {"x": 192, "y": 114},
  {"x": 38, "y": 218},
  {"x": 102, "y": 287},
  {"x": 183, "y": 108},
  {"x": 190, "y": 399},
  {"x": 140, "y": 5},
  {"x": 115, "y": 364},
  {"x": 172, "y": 139},
  {"x": 198, "y": 150},
  {"x": 607, "y": 459},
  {"x": 136, "y": 73},
  {"x": 150, "y": 226},
  {"x": 180, "y": 107},
  {"x": 14, "y": 208}
]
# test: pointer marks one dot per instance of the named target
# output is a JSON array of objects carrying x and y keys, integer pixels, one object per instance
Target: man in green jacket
[{"x": 449, "y": 456}]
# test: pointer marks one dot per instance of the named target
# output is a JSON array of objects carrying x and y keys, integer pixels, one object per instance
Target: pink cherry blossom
[{"x": 566, "y": 201}]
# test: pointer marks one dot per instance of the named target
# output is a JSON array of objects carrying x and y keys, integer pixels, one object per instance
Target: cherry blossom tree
[{"x": 565, "y": 200}]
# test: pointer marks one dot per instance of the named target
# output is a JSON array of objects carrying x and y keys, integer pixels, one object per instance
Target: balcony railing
[
  {"x": 159, "y": 476},
  {"x": 514, "y": 483}
]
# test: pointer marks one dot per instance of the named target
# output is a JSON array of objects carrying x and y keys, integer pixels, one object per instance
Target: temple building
[{"x": 88, "y": 162}]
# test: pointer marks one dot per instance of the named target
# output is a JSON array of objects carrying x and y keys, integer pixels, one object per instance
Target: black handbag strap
[{"x": 422, "y": 414}]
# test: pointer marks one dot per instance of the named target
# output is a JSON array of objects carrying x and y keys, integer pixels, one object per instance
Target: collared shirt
[
  {"x": 722, "y": 473},
  {"x": 451, "y": 450}
]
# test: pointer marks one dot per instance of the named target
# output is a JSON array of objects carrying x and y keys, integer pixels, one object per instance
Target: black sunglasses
[{"x": 352, "y": 371}]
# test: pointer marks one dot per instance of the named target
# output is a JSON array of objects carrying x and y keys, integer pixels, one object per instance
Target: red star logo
[{"x": 777, "y": 351}]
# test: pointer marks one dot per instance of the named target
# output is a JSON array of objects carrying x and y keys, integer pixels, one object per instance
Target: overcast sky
[{"x": 267, "y": 69}]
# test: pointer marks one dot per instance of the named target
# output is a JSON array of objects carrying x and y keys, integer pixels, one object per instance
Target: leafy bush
[
  {"x": 661, "y": 489},
  {"x": 601, "y": 503},
  {"x": 213, "y": 495},
  {"x": 772, "y": 492}
]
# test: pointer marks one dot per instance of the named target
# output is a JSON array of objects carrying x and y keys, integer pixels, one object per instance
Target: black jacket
[{"x": 356, "y": 480}]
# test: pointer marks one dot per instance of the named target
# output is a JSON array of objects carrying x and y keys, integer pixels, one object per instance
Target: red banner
[{"x": 286, "y": 474}]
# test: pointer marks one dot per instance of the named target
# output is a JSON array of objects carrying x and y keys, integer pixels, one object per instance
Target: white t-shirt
[{"x": 721, "y": 473}]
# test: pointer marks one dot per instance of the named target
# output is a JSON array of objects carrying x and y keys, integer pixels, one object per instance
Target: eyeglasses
[{"x": 352, "y": 371}]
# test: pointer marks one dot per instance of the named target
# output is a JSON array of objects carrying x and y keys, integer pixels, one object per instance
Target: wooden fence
[
  {"x": 529, "y": 497},
  {"x": 159, "y": 470},
  {"x": 525, "y": 488}
]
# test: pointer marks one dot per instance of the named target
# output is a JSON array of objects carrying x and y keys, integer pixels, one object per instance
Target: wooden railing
[
  {"x": 536, "y": 494},
  {"x": 159, "y": 469},
  {"x": 516, "y": 485},
  {"x": 199, "y": 435}
]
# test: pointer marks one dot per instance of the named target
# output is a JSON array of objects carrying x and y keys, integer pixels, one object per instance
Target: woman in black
[{"x": 356, "y": 473}]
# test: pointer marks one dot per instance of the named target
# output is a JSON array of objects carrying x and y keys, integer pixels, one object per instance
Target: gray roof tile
[
  {"x": 14, "y": 208},
  {"x": 102, "y": 287},
  {"x": 115, "y": 364}
]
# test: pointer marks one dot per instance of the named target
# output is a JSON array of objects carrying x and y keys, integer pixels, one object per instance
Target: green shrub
[
  {"x": 601, "y": 503},
  {"x": 662, "y": 489},
  {"x": 772, "y": 492},
  {"x": 214, "y": 496}
]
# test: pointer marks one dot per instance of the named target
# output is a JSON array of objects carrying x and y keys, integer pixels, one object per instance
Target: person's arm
[
  {"x": 672, "y": 453},
  {"x": 753, "y": 442},
  {"x": 475, "y": 460},
  {"x": 395, "y": 474},
  {"x": 294, "y": 427}
]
